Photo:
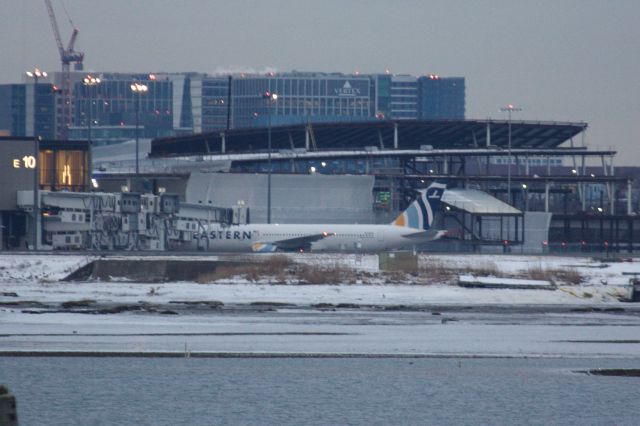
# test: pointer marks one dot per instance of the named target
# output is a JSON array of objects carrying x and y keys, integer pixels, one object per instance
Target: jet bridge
[
  {"x": 119, "y": 221},
  {"x": 481, "y": 219}
]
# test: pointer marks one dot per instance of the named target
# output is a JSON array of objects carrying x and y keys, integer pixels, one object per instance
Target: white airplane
[{"x": 412, "y": 227}]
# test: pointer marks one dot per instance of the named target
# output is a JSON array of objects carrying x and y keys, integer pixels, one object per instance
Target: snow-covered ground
[
  {"x": 393, "y": 319},
  {"x": 37, "y": 277}
]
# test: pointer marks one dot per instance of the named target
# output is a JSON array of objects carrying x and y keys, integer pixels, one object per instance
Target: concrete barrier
[
  {"x": 403, "y": 261},
  {"x": 148, "y": 270}
]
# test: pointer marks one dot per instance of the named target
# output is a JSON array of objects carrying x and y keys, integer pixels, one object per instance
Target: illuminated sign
[
  {"x": 26, "y": 162},
  {"x": 347, "y": 90},
  {"x": 351, "y": 88},
  {"x": 66, "y": 174}
]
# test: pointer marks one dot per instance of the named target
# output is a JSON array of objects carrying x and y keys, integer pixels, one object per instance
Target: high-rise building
[
  {"x": 441, "y": 98},
  {"x": 215, "y": 108},
  {"x": 184, "y": 103},
  {"x": 113, "y": 108},
  {"x": 382, "y": 84},
  {"x": 27, "y": 110},
  {"x": 396, "y": 96},
  {"x": 302, "y": 97},
  {"x": 404, "y": 97}
]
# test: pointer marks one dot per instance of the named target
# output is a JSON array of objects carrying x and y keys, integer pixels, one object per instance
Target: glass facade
[
  {"x": 327, "y": 166},
  {"x": 12, "y": 110},
  {"x": 441, "y": 97},
  {"x": 25, "y": 113},
  {"x": 113, "y": 104},
  {"x": 183, "y": 103},
  {"x": 404, "y": 97},
  {"x": 215, "y": 92},
  {"x": 63, "y": 170},
  {"x": 45, "y": 115},
  {"x": 301, "y": 98},
  {"x": 383, "y": 96}
]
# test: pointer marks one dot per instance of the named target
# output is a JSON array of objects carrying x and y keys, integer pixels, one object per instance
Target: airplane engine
[{"x": 263, "y": 247}]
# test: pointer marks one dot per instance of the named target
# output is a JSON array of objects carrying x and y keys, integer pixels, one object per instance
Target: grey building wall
[
  {"x": 536, "y": 231},
  {"x": 294, "y": 199},
  {"x": 14, "y": 173}
]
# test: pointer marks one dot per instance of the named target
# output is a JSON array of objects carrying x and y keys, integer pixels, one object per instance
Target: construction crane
[{"x": 67, "y": 56}]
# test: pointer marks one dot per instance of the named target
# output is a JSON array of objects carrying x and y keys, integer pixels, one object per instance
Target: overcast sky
[{"x": 560, "y": 60}]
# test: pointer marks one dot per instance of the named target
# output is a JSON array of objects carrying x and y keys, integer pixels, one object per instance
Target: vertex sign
[{"x": 347, "y": 90}]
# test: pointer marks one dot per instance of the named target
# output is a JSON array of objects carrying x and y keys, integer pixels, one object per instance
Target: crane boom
[
  {"x": 54, "y": 25},
  {"x": 67, "y": 56},
  {"x": 72, "y": 41}
]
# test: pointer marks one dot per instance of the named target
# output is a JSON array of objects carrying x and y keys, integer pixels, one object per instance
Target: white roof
[{"x": 477, "y": 202}]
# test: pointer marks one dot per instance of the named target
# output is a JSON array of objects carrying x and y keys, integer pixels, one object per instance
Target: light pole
[
  {"x": 138, "y": 89},
  {"x": 271, "y": 99},
  {"x": 36, "y": 74},
  {"x": 90, "y": 83},
  {"x": 509, "y": 108}
]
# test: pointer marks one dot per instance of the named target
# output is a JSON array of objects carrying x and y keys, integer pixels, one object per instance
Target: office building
[
  {"x": 187, "y": 103},
  {"x": 27, "y": 110},
  {"x": 440, "y": 98},
  {"x": 114, "y": 109}
]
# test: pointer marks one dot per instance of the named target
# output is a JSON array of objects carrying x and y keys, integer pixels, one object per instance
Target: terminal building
[
  {"x": 547, "y": 193},
  {"x": 339, "y": 148},
  {"x": 48, "y": 201},
  {"x": 345, "y": 172}
]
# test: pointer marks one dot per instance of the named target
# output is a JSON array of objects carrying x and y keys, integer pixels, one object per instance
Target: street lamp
[
  {"x": 90, "y": 82},
  {"x": 138, "y": 89},
  {"x": 36, "y": 74},
  {"x": 525, "y": 196},
  {"x": 271, "y": 99},
  {"x": 509, "y": 108}
]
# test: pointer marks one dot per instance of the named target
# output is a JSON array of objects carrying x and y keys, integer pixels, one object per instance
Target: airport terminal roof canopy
[
  {"x": 383, "y": 134},
  {"x": 477, "y": 202}
]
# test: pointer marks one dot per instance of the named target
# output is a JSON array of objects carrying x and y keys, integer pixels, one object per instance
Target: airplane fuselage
[{"x": 369, "y": 238}]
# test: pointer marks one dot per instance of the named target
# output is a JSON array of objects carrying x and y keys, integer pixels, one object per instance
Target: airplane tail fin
[{"x": 421, "y": 213}]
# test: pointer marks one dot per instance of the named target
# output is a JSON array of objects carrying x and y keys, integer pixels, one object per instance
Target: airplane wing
[
  {"x": 292, "y": 244},
  {"x": 429, "y": 234}
]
